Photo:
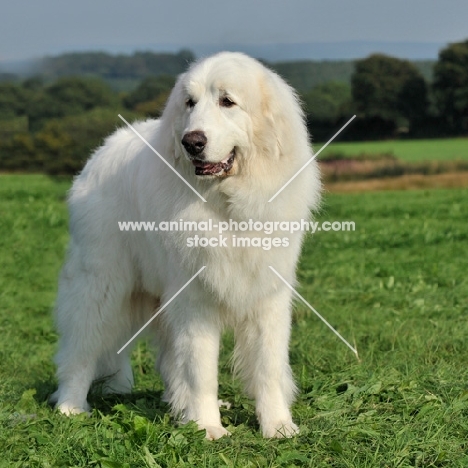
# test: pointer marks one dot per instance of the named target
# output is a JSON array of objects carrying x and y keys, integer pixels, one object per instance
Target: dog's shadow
[
  {"x": 146, "y": 403},
  {"x": 149, "y": 404}
]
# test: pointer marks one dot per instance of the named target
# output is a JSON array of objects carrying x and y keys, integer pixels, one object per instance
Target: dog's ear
[
  {"x": 171, "y": 120},
  {"x": 282, "y": 116}
]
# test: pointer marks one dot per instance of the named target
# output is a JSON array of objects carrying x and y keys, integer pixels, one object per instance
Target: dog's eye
[
  {"x": 226, "y": 102},
  {"x": 190, "y": 103}
]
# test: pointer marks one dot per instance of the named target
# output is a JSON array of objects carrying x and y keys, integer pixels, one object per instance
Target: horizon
[{"x": 275, "y": 52}]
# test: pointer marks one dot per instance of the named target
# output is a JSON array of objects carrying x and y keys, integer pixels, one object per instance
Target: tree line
[
  {"x": 109, "y": 67},
  {"x": 51, "y": 125},
  {"x": 392, "y": 99}
]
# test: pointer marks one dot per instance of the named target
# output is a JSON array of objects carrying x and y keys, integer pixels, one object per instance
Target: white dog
[{"x": 235, "y": 132}]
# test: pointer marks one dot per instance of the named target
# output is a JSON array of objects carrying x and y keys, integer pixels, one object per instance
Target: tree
[
  {"x": 78, "y": 94},
  {"x": 19, "y": 153},
  {"x": 13, "y": 100},
  {"x": 65, "y": 144},
  {"x": 151, "y": 95},
  {"x": 451, "y": 86},
  {"x": 389, "y": 89},
  {"x": 69, "y": 96},
  {"x": 325, "y": 102}
]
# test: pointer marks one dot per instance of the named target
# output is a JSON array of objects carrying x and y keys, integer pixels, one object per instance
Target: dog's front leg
[
  {"x": 188, "y": 361},
  {"x": 261, "y": 358}
]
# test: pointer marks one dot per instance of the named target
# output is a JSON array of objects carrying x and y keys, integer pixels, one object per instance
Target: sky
[{"x": 31, "y": 29}]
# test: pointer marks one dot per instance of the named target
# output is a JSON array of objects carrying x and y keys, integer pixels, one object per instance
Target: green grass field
[
  {"x": 444, "y": 149},
  {"x": 397, "y": 287}
]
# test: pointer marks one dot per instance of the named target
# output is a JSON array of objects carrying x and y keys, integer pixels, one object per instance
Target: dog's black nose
[{"x": 194, "y": 142}]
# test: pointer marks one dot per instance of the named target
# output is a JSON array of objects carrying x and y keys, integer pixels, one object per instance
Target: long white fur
[{"x": 113, "y": 281}]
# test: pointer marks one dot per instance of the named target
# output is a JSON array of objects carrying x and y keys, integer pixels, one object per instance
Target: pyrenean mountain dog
[{"x": 235, "y": 132}]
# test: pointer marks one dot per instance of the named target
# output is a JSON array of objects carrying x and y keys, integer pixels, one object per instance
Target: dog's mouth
[{"x": 204, "y": 168}]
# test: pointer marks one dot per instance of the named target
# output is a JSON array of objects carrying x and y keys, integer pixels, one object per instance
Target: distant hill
[
  {"x": 271, "y": 52},
  {"x": 319, "y": 51},
  {"x": 124, "y": 72},
  {"x": 304, "y": 75},
  {"x": 110, "y": 66}
]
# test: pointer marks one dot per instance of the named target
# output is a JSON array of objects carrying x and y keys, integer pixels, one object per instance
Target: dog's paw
[
  {"x": 70, "y": 409},
  {"x": 280, "y": 429},
  {"x": 214, "y": 432}
]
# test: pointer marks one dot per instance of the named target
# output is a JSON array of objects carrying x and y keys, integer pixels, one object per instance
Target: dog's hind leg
[
  {"x": 91, "y": 320},
  {"x": 116, "y": 372},
  {"x": 115, "y": 369}
]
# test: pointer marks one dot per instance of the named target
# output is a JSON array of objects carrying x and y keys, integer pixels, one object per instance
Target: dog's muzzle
[{"x": 194, "y": 143}]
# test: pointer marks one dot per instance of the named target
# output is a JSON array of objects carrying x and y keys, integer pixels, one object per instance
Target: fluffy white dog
[{"x": 235, "y": 132}]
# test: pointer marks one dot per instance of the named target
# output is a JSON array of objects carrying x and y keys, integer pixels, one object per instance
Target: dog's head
[{"x": 229, "y": 112}]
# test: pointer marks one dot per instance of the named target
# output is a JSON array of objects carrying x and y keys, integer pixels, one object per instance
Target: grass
[
  {"x": 443, "y": 149},
  {"x": 396, "y": 287}
]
